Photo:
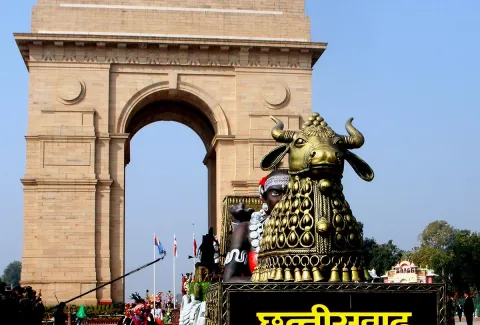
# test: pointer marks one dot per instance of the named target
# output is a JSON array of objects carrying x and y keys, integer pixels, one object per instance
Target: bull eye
[{"x": 300, "y": 142}]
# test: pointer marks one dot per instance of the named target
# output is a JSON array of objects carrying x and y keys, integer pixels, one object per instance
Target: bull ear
[
  {"x": 359, "y": 166},
  {"x": 273, "y": 158}
]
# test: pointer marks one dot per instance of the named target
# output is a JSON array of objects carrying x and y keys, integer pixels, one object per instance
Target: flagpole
[
  {"x": 174, "y": 257},
  {"x": 154, "y": 293},
  {"x": 194, "y": 255}
]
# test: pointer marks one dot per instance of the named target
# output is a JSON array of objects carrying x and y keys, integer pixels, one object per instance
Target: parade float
[
  {"x": 308, "y": 263},
  {"x": 310, "y": 267}
]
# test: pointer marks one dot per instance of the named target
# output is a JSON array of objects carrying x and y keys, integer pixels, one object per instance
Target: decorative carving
[
  {"x": 132, "y": 56},
  {"x": 70, "y": 55},
  {"x": 173, "y": 58},
  {"x": 90, "y": 55},
  {"x": 213, "y": 59},
  {"x": 48, "y": 54},
  {"x": 71, "y": 90},
  {"x": 293, "y": 60},
  {"x": 153, "y": 57},
  {"x": 193, "y": 58},
  {"x": 234, "y": 59},
  {"x": 254, "y": 60},
  {"x": 276, "y": 95},
  {"x": 111, "y": 56},
  {"x": 172, "y": 55},
  {"x": 273, "y": 61}
]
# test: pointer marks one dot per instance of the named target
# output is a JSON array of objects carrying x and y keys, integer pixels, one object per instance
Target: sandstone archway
[
  {"x": 99, "y": 72},
  {"x": 157, "y": 103}
]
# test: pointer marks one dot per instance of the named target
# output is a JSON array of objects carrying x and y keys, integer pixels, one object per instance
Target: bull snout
[{"x": 324, "y": 157}]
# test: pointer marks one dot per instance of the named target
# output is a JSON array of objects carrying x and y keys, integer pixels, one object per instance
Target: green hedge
[
  {"x": 199, "y": 290},
  {"x": 93, "y": 311}
]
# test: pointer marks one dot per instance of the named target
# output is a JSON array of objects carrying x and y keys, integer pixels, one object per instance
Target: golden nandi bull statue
[{"x": 311, "y": 234}]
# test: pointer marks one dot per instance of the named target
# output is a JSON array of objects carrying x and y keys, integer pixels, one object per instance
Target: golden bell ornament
[
  {"x": 263, "y": 275},
  {"x": 298, "y": 275},
  {"x": 288, "y": 275},
  {"x": 271, "y": 274},
  {"x": 355, "y": 277},
  {"x": 278, "y": 275},
  {"x": 306, "y": 275},
  {"x": 254, "y": 277},
  {"x": 317, "y": 275},
  {"x": 335, "y": 275},
  {"x": 345, "y": 274},
  {"x": 259, "y": 274}
]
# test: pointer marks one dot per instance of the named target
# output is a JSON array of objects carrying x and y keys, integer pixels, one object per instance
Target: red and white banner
[
  {"x": 174, "y": 246},
  {"x": 194, "y": 247}
]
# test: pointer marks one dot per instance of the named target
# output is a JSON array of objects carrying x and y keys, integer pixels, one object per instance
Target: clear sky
[{"x": 408, "y": 71}]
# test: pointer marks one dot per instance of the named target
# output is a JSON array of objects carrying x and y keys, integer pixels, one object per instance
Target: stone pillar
[
  {"x": 102, "y": 240},
  {"x": 102, "y": 218},
  {"x": 210, "y": 162},
  {"x": 117, "y": 214},
  {"x": 225, "y": 174}
]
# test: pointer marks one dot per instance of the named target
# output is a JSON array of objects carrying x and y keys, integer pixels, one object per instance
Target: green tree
[
  {"x": 381, "y": 257},
  {"x": 368, "y": 245},
  {"x": 11, "y": 274},
  {"x": 466, "y": 265},
  {"x": 436, "y": 248},
  {"x": 452, "y": 253},
  {"x": 407, "y": 255},
  {"x": 385, "y": 256},
  {"x": 438, "y": 235}
]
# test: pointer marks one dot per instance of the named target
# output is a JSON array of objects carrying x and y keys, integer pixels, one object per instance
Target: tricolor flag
[
  {"x": 194, "y": 247},
  {"x": 158, "y": 244},
  {"x": 174, "y": 246}
]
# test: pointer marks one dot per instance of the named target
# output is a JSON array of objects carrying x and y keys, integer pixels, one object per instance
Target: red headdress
[{"x": 261, "y": 185}]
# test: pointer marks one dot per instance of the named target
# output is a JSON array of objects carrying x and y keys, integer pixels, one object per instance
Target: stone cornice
[
  {"x": 66, "y": 182},
  {"x": 93, "y": 49},
  {"x": 59, "y": 182}
]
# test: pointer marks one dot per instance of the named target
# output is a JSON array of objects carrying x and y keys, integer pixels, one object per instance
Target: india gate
[{"x": 100, "y": 70}]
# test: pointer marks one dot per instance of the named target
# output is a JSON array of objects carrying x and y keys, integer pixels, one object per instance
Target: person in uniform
[
  {"x": 245, "y": 245},
  {"x": 468, "y": 308}
]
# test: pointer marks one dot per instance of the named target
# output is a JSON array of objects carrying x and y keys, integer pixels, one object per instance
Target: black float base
[{"x": 291, "y": 304}]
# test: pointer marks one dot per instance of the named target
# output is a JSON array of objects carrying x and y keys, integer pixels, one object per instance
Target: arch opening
[
  {"x": 176, "y": 106},
  {"x": 156, "y": 192},
  {"x": 183, "y": 107}
]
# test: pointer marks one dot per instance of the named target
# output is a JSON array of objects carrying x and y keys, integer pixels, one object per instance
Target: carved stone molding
[{"x": 234, "y": 54}]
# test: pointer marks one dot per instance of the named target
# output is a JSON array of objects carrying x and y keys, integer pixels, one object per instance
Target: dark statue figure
[
  {"x": 207, "y": 250},
  {"x": 242, "y": 257}
]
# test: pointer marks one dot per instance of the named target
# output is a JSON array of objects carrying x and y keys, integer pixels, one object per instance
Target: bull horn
[
  {"x": 280, "y": 135},
  {"x": 356, "y": 139}
]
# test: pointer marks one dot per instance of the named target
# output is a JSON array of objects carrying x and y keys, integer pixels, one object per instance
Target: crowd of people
[
  {"x": 21, "y": 305},
  {"x": 146, "y": 312}
]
